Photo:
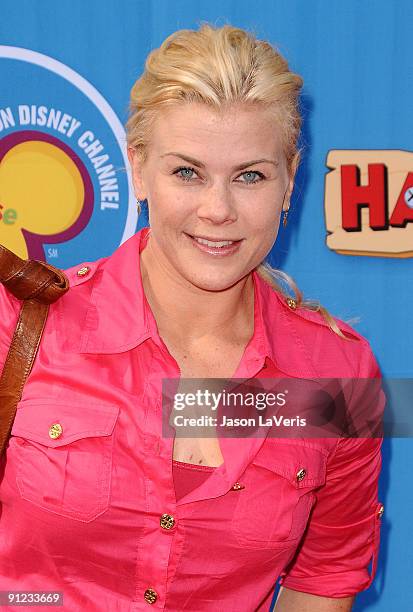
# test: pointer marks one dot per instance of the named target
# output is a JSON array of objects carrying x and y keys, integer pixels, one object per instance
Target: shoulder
[
  {"x": 84, "y": 273},
  {"x": 354, "y": 346},
  {"x": 74, "y": 307},
  {"x": 117, "y": 266},
  {"x": 311, "y": 317},
  {"x": 349, "y": 354}
]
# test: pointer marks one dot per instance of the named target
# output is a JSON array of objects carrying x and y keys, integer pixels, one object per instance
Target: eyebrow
[{"x": 199, "y": 164}]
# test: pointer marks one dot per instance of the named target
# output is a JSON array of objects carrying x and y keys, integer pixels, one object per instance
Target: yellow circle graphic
[{"x": 41, "y": 191}]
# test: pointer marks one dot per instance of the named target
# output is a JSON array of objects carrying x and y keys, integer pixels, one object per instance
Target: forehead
[{"x": 234, "y": 132}]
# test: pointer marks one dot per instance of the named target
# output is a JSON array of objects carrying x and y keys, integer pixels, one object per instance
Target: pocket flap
[
  {"x": 303, "y": 466},
  {"x": 74, "y": 421}
]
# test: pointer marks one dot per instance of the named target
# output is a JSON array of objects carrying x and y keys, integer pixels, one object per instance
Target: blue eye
[
  {"x": 188, "y": 174},
  {"x": 252, "y": 176},
  {"x": 185, "y": 173}
]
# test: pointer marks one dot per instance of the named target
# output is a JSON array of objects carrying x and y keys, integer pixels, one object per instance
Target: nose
[{"x": 217, "y": 205}]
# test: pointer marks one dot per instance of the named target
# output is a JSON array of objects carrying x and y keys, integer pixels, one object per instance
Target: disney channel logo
[{"x": 64, "y": 189}]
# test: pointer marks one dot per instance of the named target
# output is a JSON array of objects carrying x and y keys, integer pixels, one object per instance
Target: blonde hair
[{"x": 221, "y": 67}]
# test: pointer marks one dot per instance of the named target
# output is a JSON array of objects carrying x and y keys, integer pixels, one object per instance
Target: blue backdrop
[{"x": 356, "y": 61}]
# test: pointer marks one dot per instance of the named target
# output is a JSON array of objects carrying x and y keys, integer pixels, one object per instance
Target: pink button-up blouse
[{"x": 83, "y": 513}]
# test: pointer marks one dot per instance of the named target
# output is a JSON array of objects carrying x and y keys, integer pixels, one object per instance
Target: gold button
[
  {"x": 381, "y": 511},
  {"x": 55, "y": 431},
  {"x": 150, "y": 596},
  {"x": 300, "y": 474},
  {"x": 237, "y": 486},
  {"x": 291, "y": 303},
  {"x": 83, "y": 271},
  {"x": 167, "y": 521}
]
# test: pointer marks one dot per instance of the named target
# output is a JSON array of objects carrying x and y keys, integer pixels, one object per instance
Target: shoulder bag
[{"x": 38, "y": 285}]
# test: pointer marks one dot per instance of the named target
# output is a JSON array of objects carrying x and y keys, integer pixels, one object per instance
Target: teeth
[{"x": 214, "y": 243}]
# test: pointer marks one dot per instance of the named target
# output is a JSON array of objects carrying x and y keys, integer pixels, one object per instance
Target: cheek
[
  {"x": 166, "y": 204},
  {"x": 265, "y": 202},
  {"x": 263, "y": 216},
  {"x": 265, "y": 229}
]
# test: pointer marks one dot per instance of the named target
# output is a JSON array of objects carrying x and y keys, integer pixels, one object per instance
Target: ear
[
  {"x": 292, "y": 172},
  {"x": 136, "y": 165}
]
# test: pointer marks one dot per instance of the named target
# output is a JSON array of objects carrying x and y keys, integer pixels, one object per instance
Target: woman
[{"x": 96, "y": 502}]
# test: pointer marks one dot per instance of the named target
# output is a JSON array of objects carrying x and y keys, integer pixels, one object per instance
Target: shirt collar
[{"x": 117, "y": 281}]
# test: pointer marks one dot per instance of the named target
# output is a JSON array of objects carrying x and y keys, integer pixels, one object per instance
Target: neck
[{"x": 183, "y": 310}]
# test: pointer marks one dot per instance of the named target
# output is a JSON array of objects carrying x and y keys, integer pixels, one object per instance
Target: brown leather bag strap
[
  {"x": 38, "y": 284},
  {"x": 31, "y": 279}
]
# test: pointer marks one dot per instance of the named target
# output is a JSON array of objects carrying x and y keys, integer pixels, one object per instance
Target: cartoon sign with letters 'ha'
[{"x": 369, "y": 203}]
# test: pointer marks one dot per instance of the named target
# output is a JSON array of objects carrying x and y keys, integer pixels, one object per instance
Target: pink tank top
[{"x": 188, "y": 476}]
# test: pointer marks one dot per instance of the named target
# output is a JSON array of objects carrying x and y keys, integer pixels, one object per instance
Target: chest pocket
[
  {"x": 63, "y": 456},
  {"x": 274, "y": 506}
]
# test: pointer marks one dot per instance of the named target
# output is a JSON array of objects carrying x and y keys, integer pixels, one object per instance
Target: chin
[{"x": 216, "y": 282}]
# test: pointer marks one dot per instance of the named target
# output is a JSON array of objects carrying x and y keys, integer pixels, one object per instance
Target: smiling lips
[{"x": 215, "y": 246}]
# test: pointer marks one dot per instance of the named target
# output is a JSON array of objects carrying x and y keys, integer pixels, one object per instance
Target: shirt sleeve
[{"x": 342, "y": 538}]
